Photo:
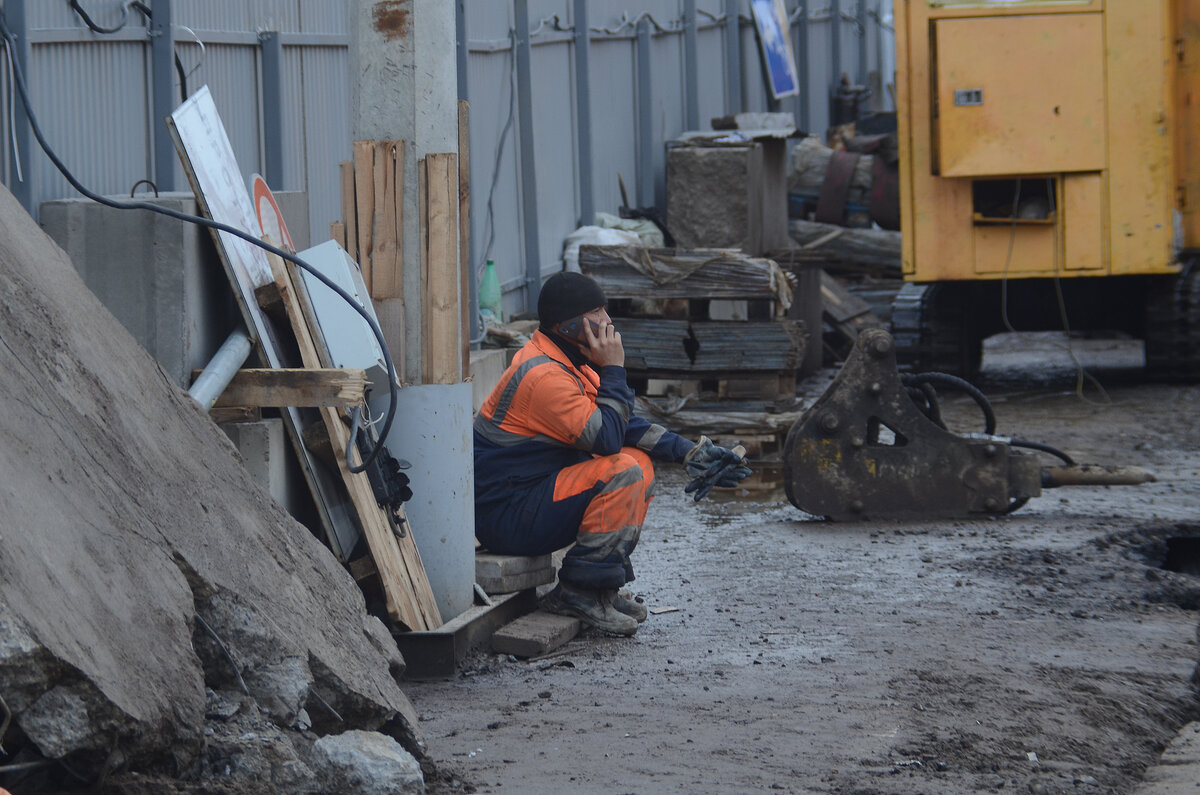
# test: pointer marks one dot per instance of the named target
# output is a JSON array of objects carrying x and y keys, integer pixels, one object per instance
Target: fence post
[
  {"x": 733, "y": 56},
  {"x": 691, "y": 81},
  {"x": 274, "y": 140},
  {"x": 529, "y": 211},
  {"x": 583, "y": 114},
  {"x": 645, "y": 190},
  {"x": 163, "y": 100}
]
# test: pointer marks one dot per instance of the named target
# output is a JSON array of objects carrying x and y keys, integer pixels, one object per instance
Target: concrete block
[
  {"x": 268, "y": 457},
  {"x": 487, "y": 366},
  {"x": 516, "y": 582},
  {"x": 488, "y": 564},
  {"x": 728, "y": 196},
  {"x": 535, "y": 634},
  {"x": 160, "y": 277}
]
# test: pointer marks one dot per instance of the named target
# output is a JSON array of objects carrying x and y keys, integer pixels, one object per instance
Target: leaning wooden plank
[
  {"x": 219, "y": 185},
  {"x": 635, "y": 272},
  {"x": 295, "y": 386},
  {"x": 440, "y": 310},
  {"x": 406, "y": 587},
  {"x": 364, "y": 202},
  {"x": 464, "y": 228},
  {"x": 337, "y": 232},
  {"x": 386, "y": 275},
  {"x": 844, "y": 310}
]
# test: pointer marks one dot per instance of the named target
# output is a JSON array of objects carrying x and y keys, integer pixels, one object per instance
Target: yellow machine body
[{"x": 1081, "y": 113}]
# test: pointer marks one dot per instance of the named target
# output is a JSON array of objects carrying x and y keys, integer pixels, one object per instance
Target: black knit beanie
[{"x": 567, "y": 294}]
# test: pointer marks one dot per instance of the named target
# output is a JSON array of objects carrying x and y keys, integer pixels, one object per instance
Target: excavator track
[
  {"x": 932, "y": 331},
  {"x": 1173, "y": 326}
]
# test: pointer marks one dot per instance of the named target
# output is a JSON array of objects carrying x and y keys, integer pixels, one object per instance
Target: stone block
[
  {"x": 509, "y": 573},
  {"x": 535, "y": 634},
  {"x": 516, "y": 582},
  {"x": 488, "y": 564}
]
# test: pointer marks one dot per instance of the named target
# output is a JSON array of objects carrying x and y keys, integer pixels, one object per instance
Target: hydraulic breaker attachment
[{"x": 865, "y": 450}]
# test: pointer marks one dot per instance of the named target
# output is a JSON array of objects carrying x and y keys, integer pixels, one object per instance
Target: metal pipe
[
  {"x": 162, "y": 76},
  {"x": 583, "y": 114},
  {"x": 529, "y": 211},
  {"x": 733, "y": 57},
  {"x": 862, "y": 43},
  {"x": 645, "y": 188},
  {"x": 272, "y": 101},
  {"x": 225, "y": 363},
  {"x": 21, "y": 177},
  {"x": 835, "y": 42},
  {"x": 804, "y": 98},
  {"x": 691, "y": 79}
]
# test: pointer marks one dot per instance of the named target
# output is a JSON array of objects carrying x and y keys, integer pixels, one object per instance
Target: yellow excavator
[{"x": 1050, "y": 175}]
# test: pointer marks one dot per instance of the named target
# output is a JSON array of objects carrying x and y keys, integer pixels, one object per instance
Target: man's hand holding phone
[{"x": 602, "y": 343}]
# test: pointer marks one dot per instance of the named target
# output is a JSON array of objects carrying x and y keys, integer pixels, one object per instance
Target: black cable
[
  {"x": 97, "y": 28},
  {"x": 18, "y": 74},
  {"x": 961, "y": 384},
  {"x": 1045, "y": 448},
  {"x": 145, "y": 10}
]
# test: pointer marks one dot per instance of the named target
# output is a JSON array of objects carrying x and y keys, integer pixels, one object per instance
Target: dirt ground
[{"x": 1049, "y": 651}]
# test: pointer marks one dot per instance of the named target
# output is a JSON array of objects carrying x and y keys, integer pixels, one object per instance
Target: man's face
[{"x": 599, "y": 316}]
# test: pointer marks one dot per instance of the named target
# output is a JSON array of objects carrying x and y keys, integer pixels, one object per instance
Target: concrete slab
[
  {"x": 489, "y": 564},
  {"x": 516, "y": 582},
  {"x": 535, "y": 634}
]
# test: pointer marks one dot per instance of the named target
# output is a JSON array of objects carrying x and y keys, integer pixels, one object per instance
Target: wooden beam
[
  {"x": 271, "y": 387},
  {"x": 364, "y": 202},
  {"x": 464, "y": 230},
  {"x": 406, "y": 588},
  {"x": 441, "y": 312},
  {"x": 337, "y": 233}
]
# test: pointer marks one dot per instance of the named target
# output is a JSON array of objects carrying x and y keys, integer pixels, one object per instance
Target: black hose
[
  {"x": 962, "y": 385},
  {"x": 1045, "y": 448},
  {"x": 97, "y": 28},
  {"x": 18, "y": 74}
]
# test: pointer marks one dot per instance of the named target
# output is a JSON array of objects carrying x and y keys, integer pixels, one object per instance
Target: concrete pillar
[{"x": 404, "y": 85}]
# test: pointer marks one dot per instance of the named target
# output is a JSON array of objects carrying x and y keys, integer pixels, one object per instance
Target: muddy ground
[{"x": 1049, "y": 651}]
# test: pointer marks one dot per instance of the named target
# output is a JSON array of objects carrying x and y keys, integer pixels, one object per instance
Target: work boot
[
  {"x": 623, "y": 600},
  {"x": 594, "y": 608}
]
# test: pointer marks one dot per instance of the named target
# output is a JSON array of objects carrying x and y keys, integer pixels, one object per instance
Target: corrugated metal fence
[{"x": 565, "y": 96}]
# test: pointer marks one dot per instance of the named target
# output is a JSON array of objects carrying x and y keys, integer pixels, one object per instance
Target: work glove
[{"x": 712, "y": 465}]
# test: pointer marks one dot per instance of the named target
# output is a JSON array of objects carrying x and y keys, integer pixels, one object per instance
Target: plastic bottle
[{"x": 489, "y": 294}]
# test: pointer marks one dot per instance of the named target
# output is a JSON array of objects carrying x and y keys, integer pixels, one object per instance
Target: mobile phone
[{"x": 572, "y": 328}]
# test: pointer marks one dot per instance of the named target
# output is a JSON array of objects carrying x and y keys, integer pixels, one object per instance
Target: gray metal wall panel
[
  {"x": 495, "y": 198},
  {"x": 614, "y": 112},
  {"x": 555, "y": 151},
  {"x": 294, "y": 130},
  {"x": 90, "y": 102},
  {"x": 106, "y": 13},
  {"x": 326, "y": 124},
  {"x": 325, "y": 16}
]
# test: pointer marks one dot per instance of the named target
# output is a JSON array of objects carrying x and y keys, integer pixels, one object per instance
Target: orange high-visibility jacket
[{"x": 552, "y": 409}]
